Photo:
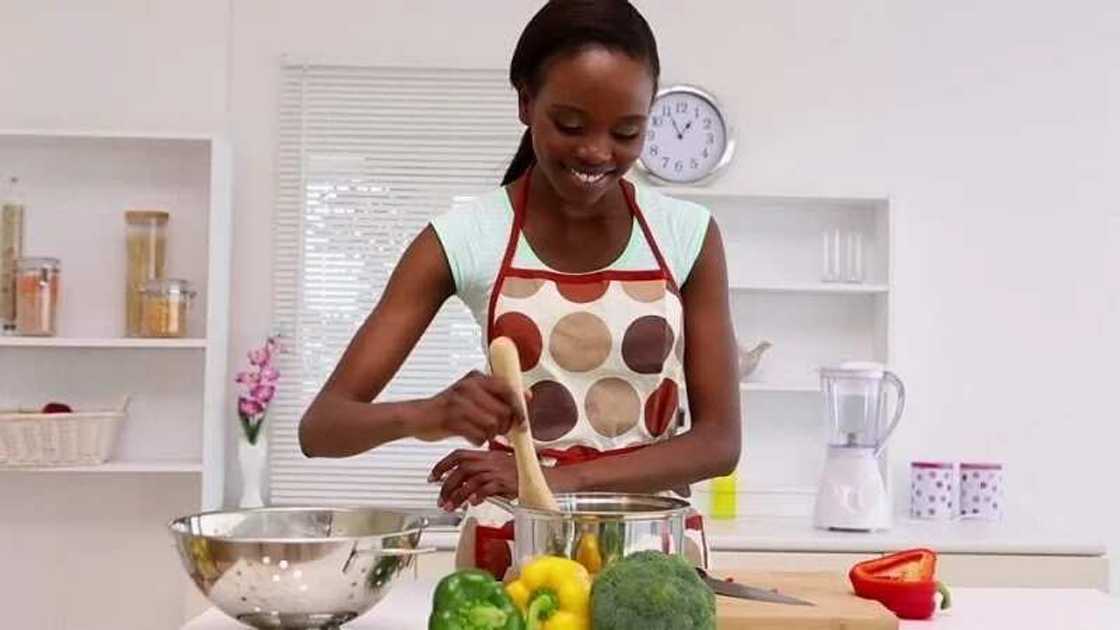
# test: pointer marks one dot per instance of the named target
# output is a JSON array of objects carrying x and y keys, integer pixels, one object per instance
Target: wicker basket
[{"x": 58, "y": 439}]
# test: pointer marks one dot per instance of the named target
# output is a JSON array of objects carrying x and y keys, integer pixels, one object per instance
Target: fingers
[{"x": 501, "y": 390}]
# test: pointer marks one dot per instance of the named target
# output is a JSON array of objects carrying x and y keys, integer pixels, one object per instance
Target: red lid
[
  {"x": 981, "y": 466},
  {"x": 931, "y": 464}
]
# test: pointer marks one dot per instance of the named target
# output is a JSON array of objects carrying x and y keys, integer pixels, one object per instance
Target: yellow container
[{"x": 725, "y": 498}]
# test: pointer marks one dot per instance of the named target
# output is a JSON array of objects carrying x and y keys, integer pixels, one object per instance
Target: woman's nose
[{"x": 594, "y": 151}]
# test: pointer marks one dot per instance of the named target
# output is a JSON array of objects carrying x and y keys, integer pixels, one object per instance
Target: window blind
[{"x": 366, "y": 157}]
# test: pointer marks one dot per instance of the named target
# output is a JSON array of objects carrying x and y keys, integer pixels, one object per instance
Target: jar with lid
[
  {"x": 165, "y": 304},
  {"x": 37, "y": 292},
  {"x": 11, "y": 248},
  {"x": 146, "y": 241}
]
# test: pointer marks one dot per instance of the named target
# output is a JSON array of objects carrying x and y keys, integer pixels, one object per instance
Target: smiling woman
[{"x": 616, "y": 297}]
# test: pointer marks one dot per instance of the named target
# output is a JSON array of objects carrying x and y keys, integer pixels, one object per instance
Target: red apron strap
[
  {"x": 511, "y": 249},
  {"x": 628, "y": 193}
]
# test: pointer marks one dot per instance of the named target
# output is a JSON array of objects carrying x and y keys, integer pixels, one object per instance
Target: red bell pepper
[{"x": 904, "y": 582}]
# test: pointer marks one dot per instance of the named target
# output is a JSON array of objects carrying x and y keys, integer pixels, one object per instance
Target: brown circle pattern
[
  {"x": 661, "y": 407},
  {"x": 521, "y": 288},
  {"x": 645, "y": 290},
  {"x": 647, "y": 343},
  {"x": 580, "y": 342},
  {"x": 525, "y": 335},
  {"x": 582, "y": 292},
  {"x": 552, "y": 410},
  {"x": 613, "y": 406}
]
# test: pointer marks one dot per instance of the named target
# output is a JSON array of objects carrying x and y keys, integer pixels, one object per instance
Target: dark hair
[{"x": 565, "y": 26}]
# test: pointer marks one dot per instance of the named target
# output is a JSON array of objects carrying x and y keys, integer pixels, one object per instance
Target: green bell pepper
[{"x": 473, "y": 600}]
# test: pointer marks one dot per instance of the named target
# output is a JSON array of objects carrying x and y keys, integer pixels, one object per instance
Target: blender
[{"x": 853, "y": 494}]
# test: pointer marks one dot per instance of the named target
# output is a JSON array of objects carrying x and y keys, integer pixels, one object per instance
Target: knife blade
[{"x": 742, "y": 591}]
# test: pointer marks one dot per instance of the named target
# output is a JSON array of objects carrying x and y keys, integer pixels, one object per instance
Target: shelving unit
[
  {"x": 76, "y": 185},
  {"x": 171, "y": 467},
  {"x": 90, "y": 342},
  {"x": 775, "y": 257}
]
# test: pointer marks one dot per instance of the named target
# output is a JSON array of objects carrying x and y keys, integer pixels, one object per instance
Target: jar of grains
[
  {"x": 164, "y": 305},
  {"x": 37, "y": 289},
  {"x": 146, "y": 240}
]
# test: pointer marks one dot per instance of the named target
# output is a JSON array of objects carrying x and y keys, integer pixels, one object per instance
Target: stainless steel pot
[
  {"x": 597, "y": 528},
  {"x": 292, "y": 567}
]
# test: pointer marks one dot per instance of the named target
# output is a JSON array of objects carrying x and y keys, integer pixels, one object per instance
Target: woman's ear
[{"x": 524, "y": 104}]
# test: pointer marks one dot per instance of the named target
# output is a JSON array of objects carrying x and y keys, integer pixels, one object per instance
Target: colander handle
[{"x": 385, "y": 551}]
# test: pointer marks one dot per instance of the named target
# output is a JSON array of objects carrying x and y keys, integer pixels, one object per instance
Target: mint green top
[{"x": 475, "y": 231}]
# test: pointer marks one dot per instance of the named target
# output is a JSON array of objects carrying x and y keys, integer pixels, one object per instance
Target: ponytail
[{"x": 522, "y": 160}]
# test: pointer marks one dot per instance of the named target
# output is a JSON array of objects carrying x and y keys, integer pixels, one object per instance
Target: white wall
[{"x": 992, "y": 126}]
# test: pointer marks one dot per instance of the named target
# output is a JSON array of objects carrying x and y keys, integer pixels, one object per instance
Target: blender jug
[{"x": 855, "y": 399}]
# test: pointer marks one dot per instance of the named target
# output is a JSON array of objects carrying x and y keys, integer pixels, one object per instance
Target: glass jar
[
  {"x": 146, "y": 242},
  {"x": 11, "y": 249},
  {"x": 37, "y": 288},
  {"x": 164, "y": 307}
]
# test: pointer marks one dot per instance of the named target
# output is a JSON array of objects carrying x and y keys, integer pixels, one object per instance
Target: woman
[{"x": 601, "y": 285}]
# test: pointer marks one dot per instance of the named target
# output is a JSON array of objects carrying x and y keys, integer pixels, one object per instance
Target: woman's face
[{"x": 588, "y": 121}]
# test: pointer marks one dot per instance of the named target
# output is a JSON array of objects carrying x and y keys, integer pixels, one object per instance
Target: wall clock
[{"x": 688, "y": 138}]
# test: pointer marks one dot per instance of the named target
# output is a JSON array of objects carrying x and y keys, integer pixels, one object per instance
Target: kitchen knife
[{"x": 742, "y": 591}]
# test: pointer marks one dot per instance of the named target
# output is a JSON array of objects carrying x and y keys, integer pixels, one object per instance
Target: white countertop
[
  {"x": 963, "y": 537},
  {"x": 407, "y": 605}
]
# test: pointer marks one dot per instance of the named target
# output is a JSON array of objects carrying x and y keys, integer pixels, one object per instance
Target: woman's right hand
[{"x": 477, "y": 407}]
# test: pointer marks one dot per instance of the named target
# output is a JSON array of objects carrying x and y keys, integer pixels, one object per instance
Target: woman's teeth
[{"x": 589, "y": 179}]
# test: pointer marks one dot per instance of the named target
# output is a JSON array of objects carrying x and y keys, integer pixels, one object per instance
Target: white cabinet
[
  {"x": 777, "y": 252},
  {"x": 76, "y": 187}
]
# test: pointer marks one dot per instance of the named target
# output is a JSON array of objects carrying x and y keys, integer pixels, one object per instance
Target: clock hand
[{"x": 680, "y": 136}]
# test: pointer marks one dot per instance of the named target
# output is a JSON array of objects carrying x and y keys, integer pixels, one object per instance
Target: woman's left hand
[{"x": 471, "y": 476}]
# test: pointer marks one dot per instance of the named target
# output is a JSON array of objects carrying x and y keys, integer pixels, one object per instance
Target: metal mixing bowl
[{"x": 294, "y": 567}]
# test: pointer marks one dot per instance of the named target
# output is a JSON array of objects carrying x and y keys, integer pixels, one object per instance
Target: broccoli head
[{"x": 650, "y": 590}]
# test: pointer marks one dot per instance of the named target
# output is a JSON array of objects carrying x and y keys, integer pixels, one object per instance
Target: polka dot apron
[{"x": 601, "y": 353}]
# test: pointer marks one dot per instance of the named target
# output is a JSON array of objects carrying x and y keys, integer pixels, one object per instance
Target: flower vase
[{"x": 252, "y": 459}]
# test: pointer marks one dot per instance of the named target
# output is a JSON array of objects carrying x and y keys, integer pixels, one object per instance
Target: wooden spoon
[{"x": 532, "y": 489}]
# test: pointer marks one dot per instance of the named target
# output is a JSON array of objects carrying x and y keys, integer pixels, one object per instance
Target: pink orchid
[
  {"x": 258, "y": 387},
  {"x": 263, "y": 393},
  {"x": 249, "y": 407},
  {"x": 260, "y": 356}
]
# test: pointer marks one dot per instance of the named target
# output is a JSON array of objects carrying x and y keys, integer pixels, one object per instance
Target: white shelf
[
  {"x": 104, "y": 134},
  {"x": 94, "y": 342},
  {"x": 780, "y": 387},
  {"x": 192, "y": 467},
  {"x": 811, "y": 287}
]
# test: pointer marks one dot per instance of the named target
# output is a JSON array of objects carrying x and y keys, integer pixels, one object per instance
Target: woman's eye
[
  {"x": 627, "y": 134},
  {"x": 568, "y": 128}
]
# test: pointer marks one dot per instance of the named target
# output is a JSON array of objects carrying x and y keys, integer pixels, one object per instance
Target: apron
[{"x": 602, "y": 354}]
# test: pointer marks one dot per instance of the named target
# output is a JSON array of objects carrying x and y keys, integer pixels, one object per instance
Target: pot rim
[
  {"x": 178, "y": 527},
  {"x": 681, "y": 507}
]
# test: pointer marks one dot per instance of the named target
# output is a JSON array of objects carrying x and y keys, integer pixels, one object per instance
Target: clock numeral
[
  {"x": 657, "y": 121},
  {"x": 710, "y": 138},
  {"x": 696, "y": 112},
  {"x": 707, "y": 124},
  {"x": 666, "y": 110},
  {"x": 682, "y": 108},
  {"x": 693, "y": 164},
  {"x": 650, "y": 135},
  {"x": 678, "y": 166},
  {"x": 664, "y": 162},
  {"x": 653, "y": 150},
  {"x": 704, "y": 153}
]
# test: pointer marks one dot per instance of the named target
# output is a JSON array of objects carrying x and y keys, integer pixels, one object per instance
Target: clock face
[{"x": 686, "y": 137}]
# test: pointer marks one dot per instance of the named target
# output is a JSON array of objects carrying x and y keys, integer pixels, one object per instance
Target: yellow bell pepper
[{"x": 554, "y": 594}]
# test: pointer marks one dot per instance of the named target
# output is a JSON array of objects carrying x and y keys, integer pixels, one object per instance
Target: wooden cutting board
[{"x": 837, "y": 607}]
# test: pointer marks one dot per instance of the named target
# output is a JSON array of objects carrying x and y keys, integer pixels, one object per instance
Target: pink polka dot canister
[
  {"x": 981, "y": 491},
  {"x": 933, "y": 491}
]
